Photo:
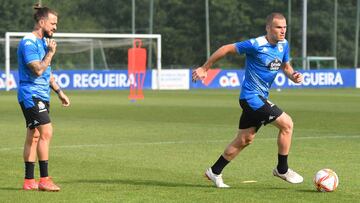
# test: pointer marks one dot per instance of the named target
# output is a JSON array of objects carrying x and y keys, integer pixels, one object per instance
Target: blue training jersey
[
  {"x": 263, "y": 61},
  {"x": 32, "y": 49}
]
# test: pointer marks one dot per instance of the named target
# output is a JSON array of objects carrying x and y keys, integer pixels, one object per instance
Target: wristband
[
  {"x": 57, "y": 91},
  {"x": 294, "y": 73}
]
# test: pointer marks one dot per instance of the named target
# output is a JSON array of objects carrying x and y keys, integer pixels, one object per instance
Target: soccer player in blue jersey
[
  {"x": 35, "y": 52},
  {"x": 265, "y": 56}
]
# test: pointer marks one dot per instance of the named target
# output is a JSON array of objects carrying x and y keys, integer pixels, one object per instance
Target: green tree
[{"x": 182, "y": 25}]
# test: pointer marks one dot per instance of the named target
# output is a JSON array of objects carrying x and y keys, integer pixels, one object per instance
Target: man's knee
[
  {"x": 46, "y": 132},
  {"x": 36, "y": 137},
  {"x": 246, "y": 136},
  {"x": 36, "y": 134},
  {"x": 46, "y": 135},
  {"x": 243, "y": 138},
  {"x": 33, "y": 133},
  {"x": 286, "y": 124}
]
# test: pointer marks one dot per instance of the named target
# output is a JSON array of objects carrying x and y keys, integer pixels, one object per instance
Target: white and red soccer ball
[{"x": 326, "y": 180}]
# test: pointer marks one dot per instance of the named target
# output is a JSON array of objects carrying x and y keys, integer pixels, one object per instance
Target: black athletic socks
[
  {"x": 43, "y": 168},
  {"x": 282, "y": 166},
  {"x": 219, "y": 165},
  {"x": 30, "y": 166},
  {"x": 29, "y": 170}
]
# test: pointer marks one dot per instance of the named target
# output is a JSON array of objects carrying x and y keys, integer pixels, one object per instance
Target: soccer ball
[{"x": 326, "y": 180}]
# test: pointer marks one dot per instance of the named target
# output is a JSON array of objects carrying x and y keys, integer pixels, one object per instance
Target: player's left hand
[
  {"x": 297, "y": 77},
  {"x": 199, "y": 74},
  {"x": 64, "y": 99}
]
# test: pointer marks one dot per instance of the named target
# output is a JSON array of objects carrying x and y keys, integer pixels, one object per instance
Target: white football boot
[
  {"x": 290, "y": 176},
  {"x": 216, "y": 179}
]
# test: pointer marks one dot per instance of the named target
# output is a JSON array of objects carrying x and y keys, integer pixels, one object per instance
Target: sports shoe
[
  {"x": 30, "y": 184},
  {"x": 217, "y": 179},
  {"x": 46, "y": 184},
  {"x": 290, "y": 176}
]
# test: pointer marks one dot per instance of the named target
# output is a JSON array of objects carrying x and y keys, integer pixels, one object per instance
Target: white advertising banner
[{"x": 171, "y": 79}]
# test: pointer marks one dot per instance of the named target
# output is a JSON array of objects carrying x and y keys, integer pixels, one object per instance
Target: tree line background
[{"x": 182, "y": 25}]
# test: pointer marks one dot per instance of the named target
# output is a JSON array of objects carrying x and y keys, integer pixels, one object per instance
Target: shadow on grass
[
  {"x": 141, "y": 183},
  {"x": 309, "y": 191},
  {"x": 159, "y": 183},
  {"x": 11, "y": 188},
  {"x": 301, "y": 190}
]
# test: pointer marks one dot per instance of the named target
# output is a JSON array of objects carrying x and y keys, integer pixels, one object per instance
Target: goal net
[{"x": 88, "y": 51}]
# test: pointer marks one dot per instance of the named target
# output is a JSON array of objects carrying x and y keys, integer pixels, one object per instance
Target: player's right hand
[
  {"x": 51, "y": 44},
  {"x": 199, "y": 74}
]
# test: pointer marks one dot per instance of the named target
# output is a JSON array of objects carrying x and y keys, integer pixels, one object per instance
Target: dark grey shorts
[
  {"x": 256, "y": 118},
  {"x": 36, "y": 115}
]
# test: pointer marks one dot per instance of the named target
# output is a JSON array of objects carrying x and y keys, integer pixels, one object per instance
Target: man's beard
[{"x": 47, "y": 35}]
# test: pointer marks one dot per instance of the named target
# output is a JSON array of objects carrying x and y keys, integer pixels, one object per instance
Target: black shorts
[
  {"x": 262, "y": 116},
  {"x": 36, "y": 115}
]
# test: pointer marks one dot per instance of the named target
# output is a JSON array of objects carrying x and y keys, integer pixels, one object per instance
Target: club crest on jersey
[
  {"x": 280, "y": 48},
  {"x": 274, "y": 65}
]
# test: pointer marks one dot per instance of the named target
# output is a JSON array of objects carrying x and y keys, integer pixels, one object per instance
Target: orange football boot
[
  {"x": 30, "y": 184},
  {"x": 46, "y": 184}
]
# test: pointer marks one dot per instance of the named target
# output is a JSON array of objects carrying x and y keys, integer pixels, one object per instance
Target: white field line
[{"x": 183, "y": 142}]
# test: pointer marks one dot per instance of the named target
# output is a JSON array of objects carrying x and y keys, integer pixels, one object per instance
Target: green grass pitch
[{"x": 108, "y": 149}]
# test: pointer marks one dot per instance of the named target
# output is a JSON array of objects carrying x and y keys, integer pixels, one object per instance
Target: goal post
[
  {"x": 317, "y": 59},
  {"x": 81, "y": 36}
]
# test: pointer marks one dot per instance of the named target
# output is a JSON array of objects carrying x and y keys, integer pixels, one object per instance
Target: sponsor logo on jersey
[
  {"x": 274, "y": 65},
  {"x": 41, "y": 106},
  {"x": 27, "y": 43}
]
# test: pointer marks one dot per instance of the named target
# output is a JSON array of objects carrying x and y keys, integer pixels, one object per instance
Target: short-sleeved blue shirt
[
  {"x": 263, "y": 61},
  {"x": 32, "y": 49}
]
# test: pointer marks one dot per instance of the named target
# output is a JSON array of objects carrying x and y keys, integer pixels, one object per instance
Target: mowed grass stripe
[{"x": 108, "y": 149}]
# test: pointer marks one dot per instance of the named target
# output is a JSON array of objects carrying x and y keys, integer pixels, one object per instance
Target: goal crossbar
[{"x": 8, "y": 35}]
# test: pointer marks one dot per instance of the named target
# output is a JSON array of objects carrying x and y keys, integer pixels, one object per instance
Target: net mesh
[{"x": 90, "y": 53}]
